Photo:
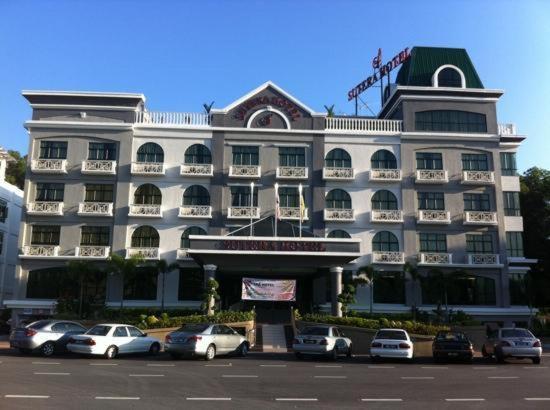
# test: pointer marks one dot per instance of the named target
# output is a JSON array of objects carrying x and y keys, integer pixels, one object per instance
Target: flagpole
[
  {"x": 276, "y": 206},
  {"x": 300, "y": 199},
  {"x": 251, "y": 208}
]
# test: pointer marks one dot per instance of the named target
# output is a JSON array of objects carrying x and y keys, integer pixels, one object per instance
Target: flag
[
  {"x": 302, "y": 204},
  {"x": 277, "y": 203}
]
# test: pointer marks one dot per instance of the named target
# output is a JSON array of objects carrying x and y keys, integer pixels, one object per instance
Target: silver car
[
  {"x": 205, "y": 340},
  {"x": 45, "y": 336},
  {"x": 322, "y": 340},
  {"x": 512, "y": 342}
]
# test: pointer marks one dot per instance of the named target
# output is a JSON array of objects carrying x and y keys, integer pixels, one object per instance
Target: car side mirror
[
  {"x": 143, "y": 334},
  {"x": 342, "y": 334}
]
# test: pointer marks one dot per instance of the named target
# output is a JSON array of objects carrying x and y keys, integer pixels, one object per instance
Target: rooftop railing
[
  {"x": 363, "y": 124},
  {"x": 195, "y": 119},
  {"x": 507, "y": 129}
]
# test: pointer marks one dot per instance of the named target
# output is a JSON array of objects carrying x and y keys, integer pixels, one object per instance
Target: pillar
[
  {"x": 209, "y": 273},
  {"x": 336, "y": 280}
]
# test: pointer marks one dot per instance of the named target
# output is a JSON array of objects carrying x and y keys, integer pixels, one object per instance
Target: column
[
  {"x": 336, "y": 281},
  {"x": 209, "y": 273}
]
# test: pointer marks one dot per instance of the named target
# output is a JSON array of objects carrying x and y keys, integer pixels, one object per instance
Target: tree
[
  {"x": 124, "y": 268},
  {"x": 365, "y": 274},
  {"x": 414, "y": 277},
  {"x": 15, "y": 171},
  {"x": 210, "y": 296},
  {"x": 162, "y": 267},
  {"x": 82, "y": 272},
  {"x": 346, "y": 298},
  {"x": 208, "y": 107},
  {"x": 330, "y": 110}
]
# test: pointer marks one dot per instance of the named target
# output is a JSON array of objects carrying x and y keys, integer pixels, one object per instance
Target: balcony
[
  {"x": 245, "y": 171},
  {"x": 197, "y": 170},
  {"x": 100, "y": 252},
  {"x": 192, "y": 119},
  {"x": 195, "y": 211},
  {"x": 291, "y": 173},
  {"x": 483, "y": 259},
  {"x": 385, "y": 175},
  {"x": 49, "y": 166},
  {"x": 45, "y": 208},
  {"x": 181, "y": 254},
  {"x": 429, "y": 216},
  {"x": 292, "y": 214},
  {"x": 478, "y": 177},
  {"x": 431, "y": 176},
  {"x": 147, "y": 168},
  {"x": 394, "y": 258},
  {"x": 41, "y": 250},
  {"x": 243, "y": 212},
  {"x": 480, "y": 218},
  {"x": 146, "y": 211},
  {"x": 363, "y": 125},
  {"x": 338, "y": 215},
  {"x": 98, "y": 167},
  {"x": 507, "y": 129},
  {"x": 386, "y": 216},
  {"x": 95, "y": 209},
  {"x": 145, "y": 253},
  {"x": 432, "y": 258},
  {"x": 338, "y": 174}
]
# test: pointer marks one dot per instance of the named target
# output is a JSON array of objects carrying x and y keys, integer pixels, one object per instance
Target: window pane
[
  {"x": 150, "y": 152},
  {"x": 292, "y": 157},
  {"x": 95, "y": 236},
  {"x": 240, "y": 196},
  {"x": 514, "y": 244},
  {"x": 102, "y": 151},
  {"x": 243, "y": 155},
  {"x": 145, "y": 237},
  {"x": 479, "y": 243},
  {"x": 429, "y": 160},
  {"x": 196, "y": 195},
  {"x": 50, "y": 192},
  {"x": 45, "y": 234},
  {"x": 450, "y": 121},
  {"x": 508, "y": 163},
  {"x": 53, "y": 150},
  {"x": 198, "y": 154},
  {"x": 338, "y": 158},
  {"x": 339, "y": 199},
  {"x": 434, "y": 201},
  {"x": 511, "y": 204},
  {"x": 98, "y": 193}
]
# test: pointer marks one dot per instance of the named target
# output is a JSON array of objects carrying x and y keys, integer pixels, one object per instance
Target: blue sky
[{"x": 181, "y": 54}]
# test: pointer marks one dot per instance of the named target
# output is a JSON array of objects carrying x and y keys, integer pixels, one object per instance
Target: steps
[{"x": 274, "y": 339}]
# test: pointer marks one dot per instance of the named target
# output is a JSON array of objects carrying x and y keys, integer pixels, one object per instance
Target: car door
[
  {"x": 339, "y": 343},
  {"x": 121, "y": 340},
  {"x": 70, "y": 330},
  {"x": 219, "y": 339},
  {"x": 138, "y": 342},
  {"x": 232, "y": 338},
  {"x": 57, "y": 332}
]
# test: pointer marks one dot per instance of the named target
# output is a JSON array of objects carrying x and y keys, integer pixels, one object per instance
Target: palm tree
[
  {"x": 123, "y": 267},
  {"x": 365, "y": 274},
  {"x": 80, "y": 271},
  {"x": 163, "y": 268},
  {"x": 330, "y": 110},
  {"x": 414, "y": 277}
]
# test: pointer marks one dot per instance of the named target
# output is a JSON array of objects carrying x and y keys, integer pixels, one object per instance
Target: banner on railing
[{"x": 281, "y": 290}]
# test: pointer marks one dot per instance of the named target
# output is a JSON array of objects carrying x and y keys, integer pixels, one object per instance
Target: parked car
[
  {"x": 110, "y": 340},
  {"x": 46, "y": 336},
  {"x": 452, "y": 345},
  {"x": 205, "y": 340},
  {"x": 512, "y": 342},
  {"x": 322, "y": 340},
  {"x": 391, "y": 343}
]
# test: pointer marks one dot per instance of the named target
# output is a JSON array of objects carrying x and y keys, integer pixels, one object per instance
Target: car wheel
[
  {"x": 154, "y": 349},
  {"x": 210, "y": 352},
  {"x": 350, "y": 351},
  {"x": 47, "y": 349},
  {"x": 243, "y": 349},
  {"x": 333, "y": 354},
  {"x": 437, "y": 359},
  {"x": 299, "y": 356},
  {"x": 111, "y": 352},
  {"x": 484, "y": 352},
  {"x": 499, "y": 357},
  {"x": 536, "y": 360},
  {"x": 374, "y": 359},
  {"x": 25, "y": 351}
]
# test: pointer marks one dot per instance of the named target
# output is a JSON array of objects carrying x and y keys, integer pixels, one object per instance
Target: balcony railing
[
  {"x": 49, "y": 166},
  {"x": 386, "y": 216},
  {"x": 92, "y": 251},
  {"x": 480, "y": 218},
  {"x": 339, "y": 215},
  {"x": 173, "y": 118},
  {"x": 41, "y": 250},
  {"x": 45, "y": 208},
  {"x": 145, "y": 253},
  {"x": 363, "y": 125},
  {"x": 433, "y": 258},
  {"x": 195, "y": 211},
  {"x": 478, "y": 177},
  {"x": 148, "y": 168},
  {"x": 292, "y": 213},
  {"x": 98, "y": 167},
  {"x": 385, "y": 175},
  {"x": 197, "y": 170},
  {"x": 338, "y": 174},
  {"x": 431, "y": 176},
  {"x": 182, "y": 254},
  {"x": 429, "y": 216},
  {"x": 95, "y": 209},
  {"x": 507, "y": 129},
  {"x": 291, "y": 172},
  {"x": 243, "y": 212},
  {"x": 146, "y": 211},
  {"x": 245, "y": 171},
  {"x": 388, "y": 257},
  {"x": 483, "y": 259}
]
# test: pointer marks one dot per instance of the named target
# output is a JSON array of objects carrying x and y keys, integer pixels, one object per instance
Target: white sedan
[
  {"x": 391, "y": 343},
  {"x": 109, "y": 340},
  {"x": 321, "y": 340}
]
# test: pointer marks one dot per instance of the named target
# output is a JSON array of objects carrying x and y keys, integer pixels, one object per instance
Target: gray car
[
  {"x": 205, "y": 340},
  {"x": 512, "y": 342},
  {"x": 45, "y": 336}
]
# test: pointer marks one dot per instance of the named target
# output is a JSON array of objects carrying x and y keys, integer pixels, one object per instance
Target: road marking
[
  {"x": 103, "y": 364},
  {"x": 146, "y": 375},
  {"x": 537, "y": 398},
  {"x": 115, "y": 398},
  {"x": 273, "y": 365},
  {"x": 328, "y": 366},
  {"x": 52, "y": 374},
  {"x": 383, "y": 400},
  {"x": 296, "y": 399},
  {"x": 330, "y": 377},
  {"x": 503, "y": 377},
  {"x": 471, "y": 399},
  {"x": 218, "y": 365},
  {"x": 435, "y": 367},
  {"x": 160, "y": 365},
  {"x": 46, "y": 363},
  {"x": 381, "y": 367},
  {"x": 239, "y": 375},
  {"x": 535, "y": 367},
  {"x": 209, "y": 398},
  {"x": 25, "y": 396},
  {"x": 417, "y": 377}
]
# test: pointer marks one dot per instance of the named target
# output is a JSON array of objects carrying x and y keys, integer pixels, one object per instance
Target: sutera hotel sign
[
  {"x": 281, "y": 103},
  {"x": 282, "y": 246}
]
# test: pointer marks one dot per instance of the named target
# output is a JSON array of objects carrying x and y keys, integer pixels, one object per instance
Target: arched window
[
  {"x": 449, "y": 77},
  {"x": 383, "y": 159},
  {"x": 383, "y": 200},
  {"x": 338, "y": 199},
  {"x": 385, "y": 242},
  {"x": 196, "y": 195},
  {"x": 338, "y": 233},
  {"x": 338, "y": 158},
  {"x": 193, "y": 230},
  {"x": 150, "y": 152},
  {"x": 147, "y": 194},
  {"x": 145, "y": 237},
  {"x": 198, "y": 154}
]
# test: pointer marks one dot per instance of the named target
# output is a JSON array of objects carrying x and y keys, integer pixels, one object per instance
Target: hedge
[{"x": 153, "y": 322}]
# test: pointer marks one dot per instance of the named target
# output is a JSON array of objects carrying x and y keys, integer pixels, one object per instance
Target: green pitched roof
[{"x": 424, "y": 61}]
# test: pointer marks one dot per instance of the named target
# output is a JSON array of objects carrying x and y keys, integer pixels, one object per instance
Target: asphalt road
[{"x": 267, "y": 381}]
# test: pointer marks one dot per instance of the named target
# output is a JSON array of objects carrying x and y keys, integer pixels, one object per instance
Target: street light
[{"x": 251, "y": 208}]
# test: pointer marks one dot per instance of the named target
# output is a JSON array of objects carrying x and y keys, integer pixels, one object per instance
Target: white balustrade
[
  {"x": 173, "y": 118},
  {"x": 363, "y": 125},
  {"x": 507, "y": 129},
  {"x": 98, "y": 167},
  {"x": 41, "y": 250},
  {"x": 431, "y": 176},
  {"x": 145, "y": 253},
  {"x": 243, "y": 212},
  {"x": 45, "y": 208},
  {"x": 339, "y": 215},
  {"x": 292, "y": 213},
  {"x": 197, "y": 170},
  {"x": 195, "y": 211},
  {"x": 95, "y": 209},
  {"x": 146, "y": 211},
  {"x": 291, "y": 172},
  {"x": 148, "y": 168},
  {"x": 386, "y": 216},
  {"x": 385, "y": 175},
  {"x": 49, "y": 166},
  {"x": 480, "y": 218},
  {"x": 483, "y": 259},
  {"x": 478, "y": 177},
  {"x": 388, "y": 257},
  {"x": 181, "y": 253},
  {"x": 88, "y": 251},
  {"x": 245, "y": 171},
  {"x": 435, "y": 258},
  {"x": 429, "y": 216},
  {"x": 338, "y": 174}
]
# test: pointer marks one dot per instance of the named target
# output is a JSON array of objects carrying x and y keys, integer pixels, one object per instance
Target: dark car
[
  {"x": 452, "y": 345},
  {"x": 45, "y": 336}
]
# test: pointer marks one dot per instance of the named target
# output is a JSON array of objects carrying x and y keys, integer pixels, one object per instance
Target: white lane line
[
  {"x": 208, "y": 398},
  {"x": 46, "y": 363},
  {"x": 535, "y": 367},
  {"x": 435, "y": 367},
  {"x": 417, "y": 377},
  {"x": 537, "y": 398},
  {"x": 296, "y": 399},
  {"x": 273, "y": 365},
  {"x": 469, "y": 399},
  {"x": 239, "y": 375},
  {"x": 25, "y": 396},
  {"x": 52, "y": 374},
  {"x": 146, "y": 375},
  {"x": 330, "y": 377},
  {"x": 160, "y": 365},
  {"x": 382, "y": 400},
  {"x": 328, "y": 366},
  {"x": 381, "y": 367},
  {"x": 115, "y": 398},
  {"x": 218, "y": 365},
  {"x": 503, "y": 377},
  {"x": 484, "y": 368},
  {"x": 103, "y": 364}
]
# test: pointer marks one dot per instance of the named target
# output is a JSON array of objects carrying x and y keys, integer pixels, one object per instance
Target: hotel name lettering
[
  {"x": 282, "y": 103},
  {"x": 281, "y": 246}
]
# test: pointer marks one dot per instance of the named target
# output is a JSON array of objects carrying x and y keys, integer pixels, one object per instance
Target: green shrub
[{"x": 177, "y": 321}]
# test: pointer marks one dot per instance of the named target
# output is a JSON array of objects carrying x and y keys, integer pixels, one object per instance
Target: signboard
[
  {"x": 282, "y": 103},
  {"x": 281, "y": 290},
  {"x": 282, "y": 246}
]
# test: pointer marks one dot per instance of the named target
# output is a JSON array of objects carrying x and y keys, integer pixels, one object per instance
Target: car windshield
[
  {"x": 194, "y": 328},
  {"x": 315, "y": 331},
  {"x": 39, "y": 324},
  {"x": 516, "y": 333},
  {"x": 99, "y": 330},
  {"x": 451, "y": 336},
  {"x": 391, "y": 334}
]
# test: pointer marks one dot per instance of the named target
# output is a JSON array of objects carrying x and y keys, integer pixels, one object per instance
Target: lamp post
[
  {"x": 251, "y": 208},
  {"x": 300, "y": 206},
  {"x": 276, "y": 207}
]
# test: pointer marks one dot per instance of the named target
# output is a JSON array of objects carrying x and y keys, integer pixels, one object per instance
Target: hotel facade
[{"x": 430, "y": 181}]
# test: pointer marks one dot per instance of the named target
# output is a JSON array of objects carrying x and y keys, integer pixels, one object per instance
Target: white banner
[{"x": 282, "y": 290}]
